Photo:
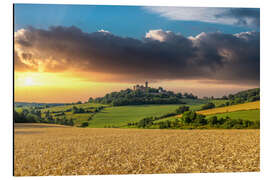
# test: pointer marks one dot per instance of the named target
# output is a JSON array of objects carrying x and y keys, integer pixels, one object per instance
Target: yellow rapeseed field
[{"x": 58, "y": 150}]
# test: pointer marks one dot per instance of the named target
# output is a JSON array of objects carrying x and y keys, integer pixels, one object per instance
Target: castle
[
  {"x": 143, "y": 88},
  {"x": 152, "y": 90}
]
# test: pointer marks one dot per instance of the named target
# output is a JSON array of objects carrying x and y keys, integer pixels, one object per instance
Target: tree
[
  {"x": 213, "y": 120},
  {"x": 224, "y": 97},
  {"x": 91, "y": 100},
  {"x": 84, "y": 124},
  {"x": 208, "y": 106},
  {"x": 71, "y": 122},
  {"x": 189, "y": 117},
  {"x": 75, "y": 109},
  {"x": 31, "y": 118},
  {"x": 182, "y": 109}
]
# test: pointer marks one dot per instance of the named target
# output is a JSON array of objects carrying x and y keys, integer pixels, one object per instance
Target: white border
[{"x": 7, "y": 79}]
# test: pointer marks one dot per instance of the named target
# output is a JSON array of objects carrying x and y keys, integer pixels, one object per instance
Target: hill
[
  {"x": 142, "y": 96},
  {"x": 108, "y": 114},
  {"x": 249, "y": 95}
]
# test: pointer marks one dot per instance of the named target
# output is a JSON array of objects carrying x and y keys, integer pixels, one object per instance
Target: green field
[
  {"x": 253, "y": 115},
  {"x": 246, "y": 111},
  {"x": 121, "y": 115}
]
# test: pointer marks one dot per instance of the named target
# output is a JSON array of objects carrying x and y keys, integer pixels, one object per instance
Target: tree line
[
  {"x": 139, "y": 97},
  {"x": 193, "y": 120},
  {"x": 250, "y": 95},
  {"x": 34, "y": 116}
]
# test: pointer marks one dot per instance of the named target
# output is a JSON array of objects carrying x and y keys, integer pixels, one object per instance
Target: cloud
[
  {"x": 230, "y": 16},
  {"x": 161, "y": 55},
  {"x": 160, "y": 35}
]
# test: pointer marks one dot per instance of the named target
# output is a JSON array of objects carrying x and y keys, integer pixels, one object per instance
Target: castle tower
[{"x": 146, "y": 84}]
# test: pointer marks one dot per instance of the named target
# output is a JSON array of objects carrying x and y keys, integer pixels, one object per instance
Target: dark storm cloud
[
  {"x": 161, "y": 55},
  {"x": 244, "y": 16}
]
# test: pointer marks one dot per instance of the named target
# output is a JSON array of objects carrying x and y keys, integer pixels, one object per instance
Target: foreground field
[{"x": 59, "y": 150}]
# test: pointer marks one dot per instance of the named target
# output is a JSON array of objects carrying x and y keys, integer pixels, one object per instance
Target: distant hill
[
  {"x": 249, "y": 95},
  {"x": 142, "y": 96}
]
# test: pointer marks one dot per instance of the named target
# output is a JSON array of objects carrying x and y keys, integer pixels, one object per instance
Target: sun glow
[
  {"x": 55, "y": 87},
  {"x": 29, "y": 81}
]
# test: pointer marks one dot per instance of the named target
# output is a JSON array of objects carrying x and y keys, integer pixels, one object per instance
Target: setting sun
[{"x": 29, "y": 81}]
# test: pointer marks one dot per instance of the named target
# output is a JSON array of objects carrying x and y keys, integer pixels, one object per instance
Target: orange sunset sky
[{"x": 77, "y": 52}]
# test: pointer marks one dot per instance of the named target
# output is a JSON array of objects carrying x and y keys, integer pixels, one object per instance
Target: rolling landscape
[
  {"x": 102, "y": 89},
  {"x": 111, "y": 138}
]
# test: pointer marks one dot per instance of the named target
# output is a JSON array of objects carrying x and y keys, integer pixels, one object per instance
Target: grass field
[
  {"x": 247, "y": 111},
  {"x": 253, "y": 115},
  {"x": 60, "y": 150},
  {"x": 119, "y": 116},
  {"x": 122, "y": 115}
]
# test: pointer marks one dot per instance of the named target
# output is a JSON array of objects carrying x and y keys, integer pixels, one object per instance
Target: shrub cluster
[
  {"x": 190, "y": 119},
  {"x": 27, "y": 116},
  {"x": 250, "y": 95},
  {"x": 197, "y": 120},
  {"x": 209, "y": 105}
]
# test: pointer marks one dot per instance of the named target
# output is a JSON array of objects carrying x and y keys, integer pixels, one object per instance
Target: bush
[
  {"x": 182, "y": 109},
  {"x": 25, "y": 117},
  {"x": 189, "y": 116},
  {"x": 31, "y": 118},
  {"x": 84, "y": 124},
  {"x": 200, "y": 120},
  {"x": 240, "y": 124},
  {"x": 213, "y": 120},
  {"x": 208, "y": 106},
  {"x": 146, "y": 122}
]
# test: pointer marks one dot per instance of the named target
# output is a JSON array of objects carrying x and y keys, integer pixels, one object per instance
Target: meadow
[
  {"x": 226, "y": 109},
  {"x": 117, "y": 116},
  {"x": 253, "y": 115},
  {"x": 62, "y": 150},
  {"x": 121, "y": 115},
  {"x": 247, "y": 111}
]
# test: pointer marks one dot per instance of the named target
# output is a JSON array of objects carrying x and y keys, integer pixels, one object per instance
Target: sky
[{"x": 66, "y": 53}]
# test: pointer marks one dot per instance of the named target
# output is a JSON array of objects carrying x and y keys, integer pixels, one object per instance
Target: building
[{"x": 141, "y": 87}]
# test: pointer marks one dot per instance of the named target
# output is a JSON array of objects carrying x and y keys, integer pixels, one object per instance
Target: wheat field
[{"x": 57, "y": 150}]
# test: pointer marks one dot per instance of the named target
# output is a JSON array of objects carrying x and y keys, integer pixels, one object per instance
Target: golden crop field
[
  {"x": 58, "y": 150},
  {"x": 237, "y": 107}
]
